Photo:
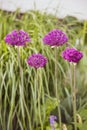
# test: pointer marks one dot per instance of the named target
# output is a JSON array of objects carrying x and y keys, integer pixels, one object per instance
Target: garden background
[{"x": 19, "y": 105}]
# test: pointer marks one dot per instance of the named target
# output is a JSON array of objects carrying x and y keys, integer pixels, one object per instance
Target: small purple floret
[
  {"x": 72, "y": 55},
  {"x": 37, "y": 60},
  {"x": 18, "y": 38},
  {"x": 52, "y": 121},
  {"x": 55, "y": 38}
]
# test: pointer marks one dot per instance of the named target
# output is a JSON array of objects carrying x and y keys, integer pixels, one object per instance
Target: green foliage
[
  {"x": 83, "y": 114},
  {"x": 20, "y": 108}
]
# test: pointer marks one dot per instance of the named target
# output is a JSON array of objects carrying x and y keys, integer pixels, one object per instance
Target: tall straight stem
[
  {"x": 21, "y": 70},
  {"x": 74, "y": 98},
  {"x": 56, "y": 86},
  {"x": 21, "y": 86},
  {"x": 39, "y": 96},
  {"x": 71, "y": 83}
]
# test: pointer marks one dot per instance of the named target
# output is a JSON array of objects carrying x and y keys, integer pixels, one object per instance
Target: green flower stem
[
  {"x": 71, "y": 79},
  {"x": 21, "y": 70},
  {"x": 71, "y": 82},
  {"x": 56, "y": 87},
  {"x": 22, "y": 99},
  {"x": 74, "y": 98},
  {"x": 35, "y": 99},
  {"x": 21, "y": 87},
  {"x": 39, "y": 96},
  {"x": 73, "y": 90}
]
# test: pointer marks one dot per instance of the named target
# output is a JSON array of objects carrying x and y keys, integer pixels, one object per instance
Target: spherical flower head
[
  {"x": 18, "y": 38},
  {"x": 55, "y": 38},
  {"x": 72, "y": 55},
  {"x": 52, "y": 120},
  {"x": 37, "y": 60}
]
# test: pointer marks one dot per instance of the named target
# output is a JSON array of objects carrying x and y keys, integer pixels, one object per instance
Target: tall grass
[{"x": 29, "y": 108}]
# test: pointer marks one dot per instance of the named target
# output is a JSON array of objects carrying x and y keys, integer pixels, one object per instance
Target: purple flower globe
[
  {"x": 37, "y": 60},
  {"x": 18, "y": 38},
  {"x": 72, "y": 55},
  {"x": 55, "y": 38}
]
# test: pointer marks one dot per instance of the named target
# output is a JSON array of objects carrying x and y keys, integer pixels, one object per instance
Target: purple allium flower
[
  {"x": 18, "y": 38},
  {"x": 52, "y": 121},
  {"x": 72, "y": 55},
  {"x": 55, "y": 38},
  {"x": 37, "y": 60}
]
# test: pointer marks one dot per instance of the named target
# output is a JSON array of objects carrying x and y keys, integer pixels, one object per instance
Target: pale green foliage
[{"x": 20, "y": 108}]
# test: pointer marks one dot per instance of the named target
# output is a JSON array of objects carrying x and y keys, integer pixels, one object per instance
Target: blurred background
[{"x": 62, "y": 8}]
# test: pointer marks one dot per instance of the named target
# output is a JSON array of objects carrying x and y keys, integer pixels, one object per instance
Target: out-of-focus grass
[{"x": 16, "y": 112}]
